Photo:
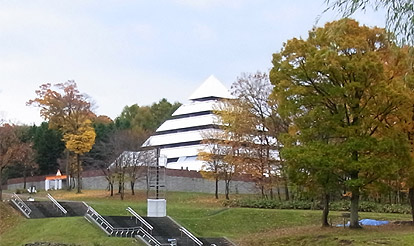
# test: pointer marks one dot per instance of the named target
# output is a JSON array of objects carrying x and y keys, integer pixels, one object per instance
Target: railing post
[
  {"x": 21, "y": 205},
  {"x": 57, "y": 204}
]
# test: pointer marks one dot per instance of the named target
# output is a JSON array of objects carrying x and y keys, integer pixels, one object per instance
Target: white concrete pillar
[
  {"x": 156, "y": 207},
  {"x": 46, "y": 185}
]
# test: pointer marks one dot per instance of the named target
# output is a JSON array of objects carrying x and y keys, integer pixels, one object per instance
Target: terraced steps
[
  {"x": 165, "y": 228},
  {"x": 46, "y": 209}
]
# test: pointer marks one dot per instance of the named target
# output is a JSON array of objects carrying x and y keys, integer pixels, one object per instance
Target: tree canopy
[
  {"x": 11, "y": 149},
  {"x": 48, "y": 146},
  {"x": 69, "y": 111},
  {"x": 145, "y": 118},
  {"x": 399, "y": 17},
  {"x": 340, "y": 87}
]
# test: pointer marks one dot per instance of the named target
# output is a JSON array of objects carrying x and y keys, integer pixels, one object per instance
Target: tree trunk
[
  {"x": 325, "y": 213},
  {"x": 132, "y": 187},
  {"x": 24, "y": 177},
  {"x": 79, "y": 173},
  {"x": 411, "y": 198},
  {"x": 354, "y": 223},
  {"x": 68, "y": 184},
  {"x": 278, "y": 193},
  {"x": 286, "y": 191},
  {"x": 217, "y": 185},
  {"x": 111, "y": 187},
  {"x": 1, "y": 185},
  {"x": 227, "y": 190},
  {"x": 122, "y": 186},
  {"x": 354, "y": 207},
  {"x": 262, "y": 191}
]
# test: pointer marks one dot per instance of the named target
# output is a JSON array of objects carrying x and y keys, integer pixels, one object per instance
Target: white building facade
[{"x": 179, "y": 138}]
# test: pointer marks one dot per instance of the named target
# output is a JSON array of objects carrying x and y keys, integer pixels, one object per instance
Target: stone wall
[
  {"x": 18, "y": 183},
  {"x": 176, "y": 180}
]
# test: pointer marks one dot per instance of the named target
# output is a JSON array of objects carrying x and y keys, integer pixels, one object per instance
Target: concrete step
[
  {"x": 164, "y": 228},
  {"x": 74, "y": 208},
  {"x": 121, "y": 221},
  {"x": 43, "y": 209},
  {"x": 46, "y": 209}
]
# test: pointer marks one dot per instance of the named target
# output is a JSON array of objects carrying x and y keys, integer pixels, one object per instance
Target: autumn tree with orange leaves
[
  {"x": 9, "y": 149},
  {"x": 69, "y": 111}
]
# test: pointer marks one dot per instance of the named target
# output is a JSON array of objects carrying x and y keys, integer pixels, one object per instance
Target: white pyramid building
[{"x": 179, "y": 138}]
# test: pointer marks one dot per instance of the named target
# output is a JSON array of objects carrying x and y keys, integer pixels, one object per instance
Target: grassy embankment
[{"x": 205, "y": 217}]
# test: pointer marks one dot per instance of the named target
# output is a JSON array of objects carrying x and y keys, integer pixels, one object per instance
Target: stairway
[
  {"x": 47, "y": 209},
  {"x": 164, "y": 229},
  {"x": 74, "y": 208},
  {"x": 42, "y": 209}
]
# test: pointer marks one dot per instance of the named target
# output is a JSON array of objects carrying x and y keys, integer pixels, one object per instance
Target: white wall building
[{"x": 179, "y": 138}]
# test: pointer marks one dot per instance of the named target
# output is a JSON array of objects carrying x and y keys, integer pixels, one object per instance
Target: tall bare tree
[
  {"x": 213, "y": 156},
  {"x": 253, "y": 116}
]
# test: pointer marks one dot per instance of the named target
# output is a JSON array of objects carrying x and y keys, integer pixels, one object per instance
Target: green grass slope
[{"x": 205, "y": 217}]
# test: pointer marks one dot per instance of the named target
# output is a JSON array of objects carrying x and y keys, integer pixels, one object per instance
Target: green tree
[
  {"x": 313, "y": 160},
  {"x": 48, "y": 146},
  {"x": 124, "y": 121},
  {"x": 145, "y": 118},
  {"x": 162, "y": 111},
  {"x": 399, "y": 19},
  {"x": 339, "y": 88},
  {"x": 405, "y": 119}
]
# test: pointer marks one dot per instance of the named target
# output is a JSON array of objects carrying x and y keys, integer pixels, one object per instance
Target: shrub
[
  {"x": 21, "y": 191},
  {"x": 342, "y": 205}
]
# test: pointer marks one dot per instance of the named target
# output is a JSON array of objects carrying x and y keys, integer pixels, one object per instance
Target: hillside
[
  {"x": 9, "y": 217},
  {"x": 204, "y": 216}
]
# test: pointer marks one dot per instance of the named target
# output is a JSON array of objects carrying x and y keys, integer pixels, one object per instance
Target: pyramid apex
[{"x": 210, "y": 88}]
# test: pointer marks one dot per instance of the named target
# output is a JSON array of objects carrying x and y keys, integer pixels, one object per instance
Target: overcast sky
[{"x": 122, "y": 52}]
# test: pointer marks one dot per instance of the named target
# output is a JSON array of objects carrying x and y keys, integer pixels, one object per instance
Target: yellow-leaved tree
[
  {"x": 80, "y": 142},
  {"x": 69, "y": 111}
]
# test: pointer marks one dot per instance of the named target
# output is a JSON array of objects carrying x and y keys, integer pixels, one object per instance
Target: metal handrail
[
  {"x": 191, "y": 236},
  {"x": 21, "y": 205},
  {"x": 138, "y": 217},
  {"x": 57, "y": 204},
  {"x": 149, "y": 236},
  {"x": 105, "y": 225},
  {"x": 103, "y": 220}
]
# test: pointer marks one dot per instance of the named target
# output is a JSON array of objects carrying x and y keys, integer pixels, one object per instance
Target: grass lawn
[{"x": 205, "y": 217}]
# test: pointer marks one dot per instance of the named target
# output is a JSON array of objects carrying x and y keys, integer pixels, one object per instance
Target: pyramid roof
[{"x": 211, "y": 87}]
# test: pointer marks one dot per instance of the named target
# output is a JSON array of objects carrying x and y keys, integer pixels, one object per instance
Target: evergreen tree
[{"x": 48, "y": 146}]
